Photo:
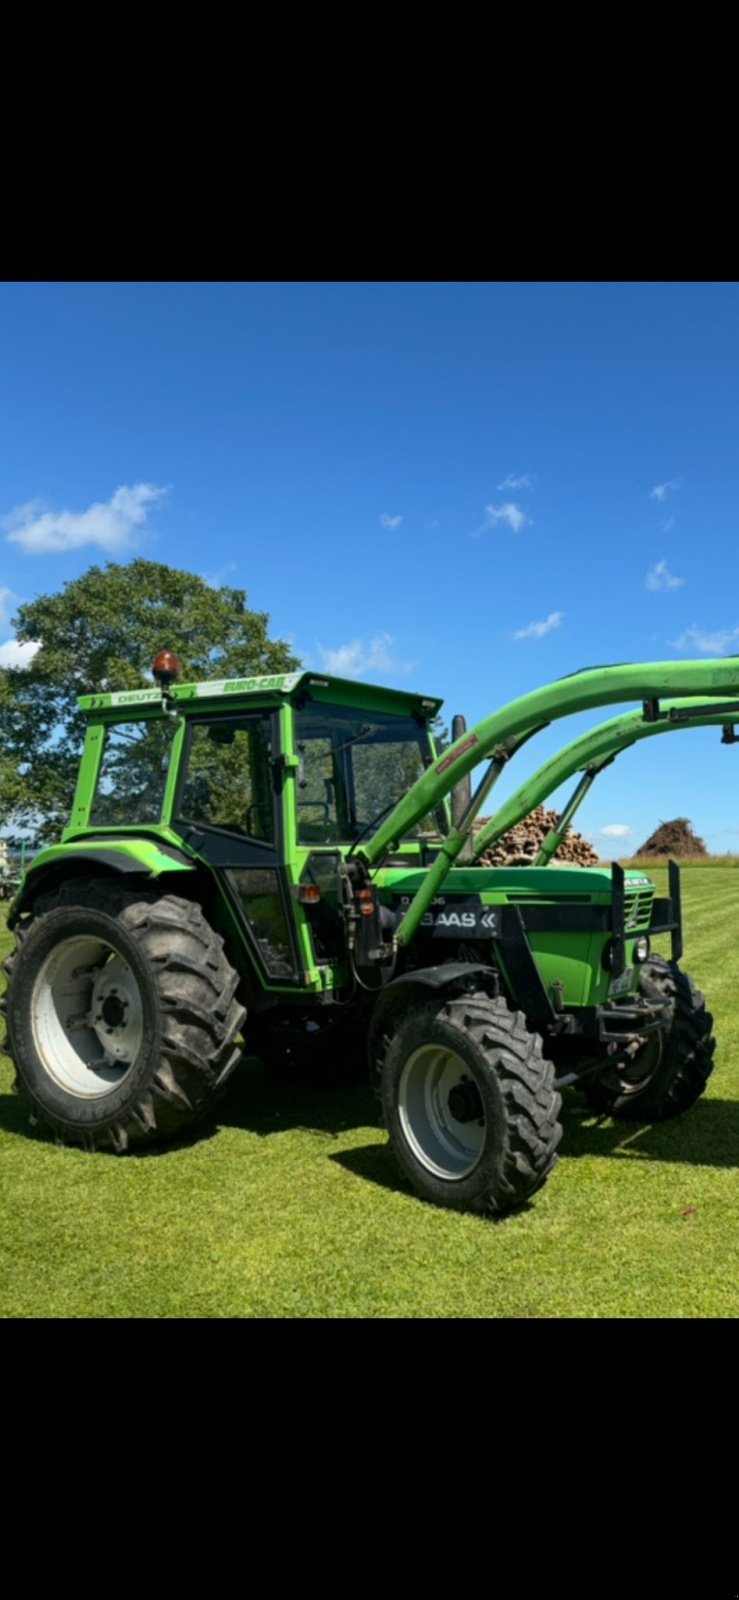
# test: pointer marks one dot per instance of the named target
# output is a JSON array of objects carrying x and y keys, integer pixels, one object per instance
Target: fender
[
  {"x": 143, "y": 856},
  {"x": 397, "y": 993}
]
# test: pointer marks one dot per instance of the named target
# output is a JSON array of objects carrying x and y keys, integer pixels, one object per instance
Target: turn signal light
[
  {"x": 307, "y": 893},
  {"x": 366, "y": 898}
]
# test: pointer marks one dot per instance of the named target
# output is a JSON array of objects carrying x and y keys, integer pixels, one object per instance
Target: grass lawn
[{"x": 291, "y": 1204}]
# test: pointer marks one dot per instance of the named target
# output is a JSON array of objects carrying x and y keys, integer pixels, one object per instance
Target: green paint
[
  {"x": 147, "y": 853},
  {"x": 569, "y": 958},
  {"x": 343, "y": 690}
]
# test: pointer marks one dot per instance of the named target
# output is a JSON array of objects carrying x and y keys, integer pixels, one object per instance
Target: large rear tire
[
  {"x": 672, "y": 1069},
  {"x": 121, "y": 1013},
  {"x": 469, "y": 1103}
]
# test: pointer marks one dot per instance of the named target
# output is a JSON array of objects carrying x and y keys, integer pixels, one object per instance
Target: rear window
[{"x": 133, "y": 773}]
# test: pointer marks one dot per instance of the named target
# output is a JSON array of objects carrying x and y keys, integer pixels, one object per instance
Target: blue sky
[{"x": 469, "y": 489}]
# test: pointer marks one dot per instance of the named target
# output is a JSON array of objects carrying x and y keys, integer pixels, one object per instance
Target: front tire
[
  {"x": 672, "y": 1069},
  {"x": 469, "y": 1103},
  {"x": 121, "y": 1015}
]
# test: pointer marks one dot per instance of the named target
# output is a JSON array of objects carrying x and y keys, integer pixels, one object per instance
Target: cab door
[{"x": 227, "y": 809}]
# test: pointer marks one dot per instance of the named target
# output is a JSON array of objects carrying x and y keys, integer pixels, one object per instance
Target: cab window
[{"x": 228, "y": 778}]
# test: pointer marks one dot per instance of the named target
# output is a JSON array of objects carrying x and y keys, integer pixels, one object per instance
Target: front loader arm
[
  {"x": 496, "y": 735},
  {"x": 589, "y": 755}
]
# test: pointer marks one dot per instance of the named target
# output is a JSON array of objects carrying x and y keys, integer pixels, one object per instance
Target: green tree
[
  {"x": 101, "y": 632},
  {"x": 11, "y": 781}
]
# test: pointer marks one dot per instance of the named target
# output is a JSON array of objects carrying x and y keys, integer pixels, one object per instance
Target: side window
[
  {"x": 228, "y": 783},
  {"x": 133, "y": 773}
]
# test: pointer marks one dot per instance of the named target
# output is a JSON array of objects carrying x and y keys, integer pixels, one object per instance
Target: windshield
[{"x": 354, "y": 767}]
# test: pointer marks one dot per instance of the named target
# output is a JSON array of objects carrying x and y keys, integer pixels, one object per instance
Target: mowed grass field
[{"x": 290, "y": 1205}]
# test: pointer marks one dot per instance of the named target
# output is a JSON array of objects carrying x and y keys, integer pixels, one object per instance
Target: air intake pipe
[{"x": 462, "y": 794}]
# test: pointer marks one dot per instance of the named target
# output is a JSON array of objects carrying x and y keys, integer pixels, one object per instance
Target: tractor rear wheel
[
  {"x": 672, "y": 1068},
  {"x": 469, "y": 1103},
  {"x": 121, "y": 1013}
]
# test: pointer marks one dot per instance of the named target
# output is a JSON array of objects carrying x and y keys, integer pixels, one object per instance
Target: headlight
[{"x": 642, "y": 948}]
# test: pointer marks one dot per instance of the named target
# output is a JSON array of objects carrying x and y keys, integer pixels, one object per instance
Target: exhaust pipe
[{"x": 461, "y": 795}]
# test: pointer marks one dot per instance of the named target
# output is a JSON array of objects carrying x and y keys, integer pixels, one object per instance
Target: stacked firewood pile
[
  {"x": 519, "y": 846},
  {"x": 674, "y": 839}
]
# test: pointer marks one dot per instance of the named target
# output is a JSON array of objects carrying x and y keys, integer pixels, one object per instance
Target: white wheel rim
[
  {"x": 448, "y": 1142},
  {"x": 87, "y": 1017}
]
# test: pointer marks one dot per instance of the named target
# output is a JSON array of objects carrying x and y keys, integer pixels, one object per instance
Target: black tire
[
  {"x": 469, "y": 1103},
  {"x": 303, "y": 1050},
  {"x": 157, "y": 995},
  {"x": 671, "y": 1071}
]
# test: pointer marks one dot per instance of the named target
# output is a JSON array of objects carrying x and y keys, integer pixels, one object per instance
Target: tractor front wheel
[
  {"x": 672, "y": 1068},
  {"x": 469, "y": 1103},
  {"x": 121, "y": 1014}
]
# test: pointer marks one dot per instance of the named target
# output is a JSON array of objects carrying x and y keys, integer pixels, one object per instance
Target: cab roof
[{"x": 276, "y": 687}]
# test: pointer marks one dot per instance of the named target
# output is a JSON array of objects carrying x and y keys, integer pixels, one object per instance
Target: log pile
[
  {"x": 674, "y": 839},
  {"x": 519, "y": 846}
]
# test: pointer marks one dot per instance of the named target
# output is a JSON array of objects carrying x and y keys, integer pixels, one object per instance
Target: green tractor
[{"x": 286, "y": 865}]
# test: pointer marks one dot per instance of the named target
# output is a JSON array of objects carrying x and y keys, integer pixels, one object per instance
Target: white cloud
[
  {"x": 661, "y": 490},
  {"x": 668, "y": 524},
  {"x": 359, "y": 657},
  {"x": 723, "y": 642},
  {"x": 660, "y": 577},
  {"x": 615, "y": 830},
  {"x": 110, "y": 523},
  {"x": 15, "y": 654},
  {"x": 510, "y": 513},
  {"x": 390, "y": 522},
  {"x": 524, "y": 482},
  {"x": 537, "y": 630}
]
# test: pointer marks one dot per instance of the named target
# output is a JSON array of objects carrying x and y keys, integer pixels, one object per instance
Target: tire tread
[
  {"x": 526, "y": 1082},
  {"x": 200, "y": 1013}
]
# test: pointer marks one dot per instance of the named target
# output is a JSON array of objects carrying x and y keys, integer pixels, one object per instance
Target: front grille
[{"x": 638, "y": 909}]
